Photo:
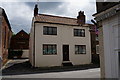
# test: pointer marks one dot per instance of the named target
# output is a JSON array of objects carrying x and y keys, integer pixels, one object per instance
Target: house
[
  {"x": 5, "y": 35},
  {"x": 94, "y": 44},
  {"x": 108, "y": 22},
  {"x": 19, "y": 42},
  {"x": 57, "y": 41}
]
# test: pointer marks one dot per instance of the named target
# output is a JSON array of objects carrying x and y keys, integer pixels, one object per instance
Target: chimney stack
[
  {"x": 81, "y": 18},
  {"x": 36, "y": 10}
]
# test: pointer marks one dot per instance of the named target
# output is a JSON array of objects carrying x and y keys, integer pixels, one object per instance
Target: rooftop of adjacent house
[
  {"x": 3, "y": 13},
  {"x": 103, "y": 6},
  {"x": 44, "y": 18},
  {"x": 21, "y": 34}
]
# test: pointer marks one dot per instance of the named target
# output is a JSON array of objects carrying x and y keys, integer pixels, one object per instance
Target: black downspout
[
  {"x": 34, "y": 47},
  {"x": 119, "y": 64}
]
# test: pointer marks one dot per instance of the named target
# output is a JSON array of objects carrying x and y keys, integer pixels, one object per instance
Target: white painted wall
[
  {"x": 25, "y": 53},
  {"x": 65, "y": 35},
  {"x": 31, "y": 45},
  {"x": 110, "y": 37}
]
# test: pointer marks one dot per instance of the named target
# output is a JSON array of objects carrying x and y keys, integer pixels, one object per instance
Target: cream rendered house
[{"x": 56, "y": 40}]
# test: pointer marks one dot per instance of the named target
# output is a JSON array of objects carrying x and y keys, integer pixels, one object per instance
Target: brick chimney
[
  {"x": 36, "y": 10},
  {"x": 81, "y": 18}
]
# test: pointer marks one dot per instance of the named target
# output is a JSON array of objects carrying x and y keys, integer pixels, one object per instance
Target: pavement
[{"x": 12, "y": 62}]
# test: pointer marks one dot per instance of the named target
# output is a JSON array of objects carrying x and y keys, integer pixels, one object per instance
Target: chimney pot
[
  {"x": 36, "y": 10},
  {"x": 81, "y": 18}
]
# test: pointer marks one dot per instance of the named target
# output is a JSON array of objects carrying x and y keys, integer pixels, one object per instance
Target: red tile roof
[{"x": 56, "y": 19}]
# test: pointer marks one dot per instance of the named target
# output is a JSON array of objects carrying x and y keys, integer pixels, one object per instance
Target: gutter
[
  {"x": 84, "y": 25},
  {"x": 107, "y": 13}
]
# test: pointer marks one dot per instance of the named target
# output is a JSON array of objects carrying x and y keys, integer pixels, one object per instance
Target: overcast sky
[{"x": 20, "y": 13}]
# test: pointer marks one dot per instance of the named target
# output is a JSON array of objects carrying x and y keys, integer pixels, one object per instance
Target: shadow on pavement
[{"x": 26, "y": 68}]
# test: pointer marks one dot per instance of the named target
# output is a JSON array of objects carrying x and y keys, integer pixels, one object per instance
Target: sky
[{"x": 20, "y": 13}]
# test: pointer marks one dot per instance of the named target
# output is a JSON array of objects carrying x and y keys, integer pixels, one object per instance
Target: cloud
[
  {"x": 53, "y": 0},
  {"x": 74, "y": 7},
  {"x": 20, "y": 13}
]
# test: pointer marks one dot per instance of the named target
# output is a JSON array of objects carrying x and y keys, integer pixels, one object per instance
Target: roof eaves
[
  {"x": 55, "y": 23},
  {"x": 5, "y": 16},
  {"x": 57, "y": 16}
]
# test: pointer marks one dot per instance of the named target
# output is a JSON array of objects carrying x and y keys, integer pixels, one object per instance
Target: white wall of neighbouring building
[
  {"x": 25, "y": 54},
  {"x": 110, "y": 38}
]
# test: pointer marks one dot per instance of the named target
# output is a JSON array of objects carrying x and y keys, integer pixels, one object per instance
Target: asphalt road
[
  {"x": 17, "y": 69},
  {"x": 89, "y": 73}
]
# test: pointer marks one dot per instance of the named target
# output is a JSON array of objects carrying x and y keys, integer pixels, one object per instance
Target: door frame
[{"x": 63, "y": 52}]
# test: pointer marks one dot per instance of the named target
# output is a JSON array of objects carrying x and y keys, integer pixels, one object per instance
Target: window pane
[
  {"x": 79, "y": 32},
  {"x": 44, "y": 49},
  {"x": 54, "y": 49},
  {"x": 76, "y": 49},
  {"x": 83, "y": 32},
  {"x": 80, "y": 49},
  {"x": 49, "y": 49},
  {"x": 45, "y": 30},
  {"x": 49, "y": 30},
  {"x": 84, "y": 49},
  {"x": 75, "y": 32},
  {"x": 54, "y": 31}
]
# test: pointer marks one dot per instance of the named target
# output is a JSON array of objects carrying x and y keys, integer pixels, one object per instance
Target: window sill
[{"x": 80, "y": 54}]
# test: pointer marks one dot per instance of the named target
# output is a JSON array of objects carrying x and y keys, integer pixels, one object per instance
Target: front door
[{"x": 65, "y": 52}]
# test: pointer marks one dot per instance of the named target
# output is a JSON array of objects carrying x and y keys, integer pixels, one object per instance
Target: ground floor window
[
  {"x": 49, "y": 49},
  {"x": 80, "y": 49},
  {"x": 97, "y": 49}
]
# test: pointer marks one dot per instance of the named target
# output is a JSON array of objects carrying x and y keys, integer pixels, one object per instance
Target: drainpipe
[
  {"x": 34, "y": 47},
  {"x": 119, "y": 64}
]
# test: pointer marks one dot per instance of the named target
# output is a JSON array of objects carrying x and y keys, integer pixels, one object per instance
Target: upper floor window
[
  {"x": 49, "y": 30},
  {"x": 79, "y": 32}
]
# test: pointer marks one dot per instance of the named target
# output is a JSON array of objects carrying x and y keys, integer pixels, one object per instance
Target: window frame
[
  {"x": 80, "y": 51},
  {"x": 78, "y": 32},
  {"x": 48, "y": 30},
  {"x": 49, "y": 46}
]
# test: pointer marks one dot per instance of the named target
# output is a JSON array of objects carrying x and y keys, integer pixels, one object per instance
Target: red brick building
[
  {"x": 5, "y": 35},
  {"x": 94, "y": 39},
  {"x": 94, "y": 44},
  {"x": 20, "y": 41}
]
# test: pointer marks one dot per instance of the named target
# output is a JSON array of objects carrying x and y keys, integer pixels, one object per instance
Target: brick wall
[
  {"x": 20, "y": 41},
  {"x": 6, "y": 35}
]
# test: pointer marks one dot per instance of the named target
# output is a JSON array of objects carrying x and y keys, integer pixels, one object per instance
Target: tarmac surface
[{"x": 20, "y": 67}]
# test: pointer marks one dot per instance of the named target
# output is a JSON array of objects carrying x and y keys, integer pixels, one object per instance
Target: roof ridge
[{"x": 58, "y": 16}]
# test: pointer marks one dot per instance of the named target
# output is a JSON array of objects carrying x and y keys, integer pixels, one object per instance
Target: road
[
  {"x": 89, "y": 73},
  {"x": 20, "y": 68}
]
